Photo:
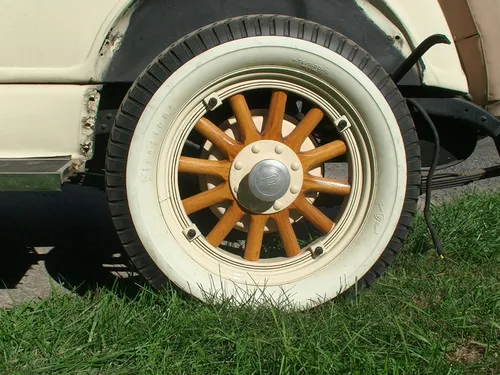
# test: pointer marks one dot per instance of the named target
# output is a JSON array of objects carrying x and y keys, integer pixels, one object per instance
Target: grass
[{"x": 424, "y": 316}]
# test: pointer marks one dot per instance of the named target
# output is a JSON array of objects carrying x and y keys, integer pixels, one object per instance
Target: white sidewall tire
[
  {"x": 153, "y": 129},
  {"x": 390, "y": 164}
]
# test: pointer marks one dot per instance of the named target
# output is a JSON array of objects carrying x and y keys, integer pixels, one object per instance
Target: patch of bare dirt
[{"x": 468, "y": 354}]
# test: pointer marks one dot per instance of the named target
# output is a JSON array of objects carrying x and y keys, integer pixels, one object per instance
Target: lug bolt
[
  {"x": 212, "y": 103},
  {"x": 294, "y": 189},
  {"x": 238, "y": 165},
  {"x": 191, "y": 234},
  {"x": 295, "y": 166},
  {"x": 342, "y": 125},
  {"x": 277, "y": 205},
  {"x": 255, "y": 149},
  {"x": 279, "y": 149},
  {"x": 235, "y": 189},
  {"x": 318, "y": 251}
]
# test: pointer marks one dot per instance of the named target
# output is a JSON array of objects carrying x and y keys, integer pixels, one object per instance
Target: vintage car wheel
[{"x": 264, "y": 159}]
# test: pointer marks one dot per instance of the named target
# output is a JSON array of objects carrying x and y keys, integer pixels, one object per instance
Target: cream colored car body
[{"x": 55, "y": 53}]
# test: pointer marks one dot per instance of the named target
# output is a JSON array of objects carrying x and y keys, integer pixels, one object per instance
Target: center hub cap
[
  {"x": 269, "y": 180},
  {"x": 266, "y": 177}
]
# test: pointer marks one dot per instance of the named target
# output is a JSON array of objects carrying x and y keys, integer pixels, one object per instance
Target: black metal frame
[{"x": 463, "y": 112}]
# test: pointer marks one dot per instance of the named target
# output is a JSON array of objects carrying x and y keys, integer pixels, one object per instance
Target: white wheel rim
[{"x": 284, "y": 270}]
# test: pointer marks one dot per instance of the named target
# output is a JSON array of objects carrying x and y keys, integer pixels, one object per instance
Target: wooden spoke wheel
[
  {"x": 278, "y": 168},
  {"x": 270, "y": 142}
]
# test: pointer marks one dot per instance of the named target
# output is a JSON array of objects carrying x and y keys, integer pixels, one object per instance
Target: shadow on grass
[
  {"x": 71, "y": 232},
  {"x": 418, "y": 240}
]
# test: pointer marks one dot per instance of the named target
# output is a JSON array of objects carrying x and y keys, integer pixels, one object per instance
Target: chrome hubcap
[
  {"x": 269, "y": 180},
  {"x": 266, "y": 177}
]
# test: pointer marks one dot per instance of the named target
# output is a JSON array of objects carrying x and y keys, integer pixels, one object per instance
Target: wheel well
[{"x": 156, "y": 24}]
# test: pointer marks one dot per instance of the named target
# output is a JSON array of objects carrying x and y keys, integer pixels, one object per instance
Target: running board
[
  {"x": 34, "y": 174},
  {"x": 451, "y": 180}
]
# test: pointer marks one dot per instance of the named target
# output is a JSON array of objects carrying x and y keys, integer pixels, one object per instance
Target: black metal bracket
[
  {"x": 462, "y": 112},
  {"x": 104, "y": 121},
  {"x": 417, "y": 54}
]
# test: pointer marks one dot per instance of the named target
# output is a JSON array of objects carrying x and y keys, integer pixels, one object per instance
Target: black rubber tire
[{"x": 218, "y": 33}]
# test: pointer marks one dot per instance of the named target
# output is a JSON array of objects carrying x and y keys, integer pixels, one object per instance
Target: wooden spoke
[
  {"x": 274, "y": 122},
  {"x": 220, "y": 139},
  {"x": 203, "y": 166},
  {"x": 249, "y": 132},
  {"x": 313, "y": 214},
  {"x": 297, "y": 137},
  {"x": 287, "y": 234},
  {"x": 326, "y": 185},
  {"x": 313, "y": 158},
  {"x": 232, "y": 215},
  {"x": 254, "y": 237},
  {"x": 207, "y": 198}
]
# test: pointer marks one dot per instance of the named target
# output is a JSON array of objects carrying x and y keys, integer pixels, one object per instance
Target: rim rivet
[
  {"x": 212, "y": 103},
  {"x": 279, "y": 149},
  {"x": 342, "y": 125},
  {"x": 318, "y": 251},
  {"x": 238, "y": 165},
  {"x": 277, "y": 205},
  {"x": 294, "y": 189},
  {"x": 191, "y": 234},
  {"x": 295, "y": 166},
  {"x": 255, "y": 149}
]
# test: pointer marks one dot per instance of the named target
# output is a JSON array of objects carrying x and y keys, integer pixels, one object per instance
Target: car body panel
[
  {"x": 47, "y": 120},
  {"x": 57, "y": 41}
]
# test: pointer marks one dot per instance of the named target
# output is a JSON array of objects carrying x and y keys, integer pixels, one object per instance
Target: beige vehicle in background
[{"x": 262, "y": 151}]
